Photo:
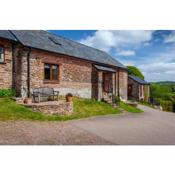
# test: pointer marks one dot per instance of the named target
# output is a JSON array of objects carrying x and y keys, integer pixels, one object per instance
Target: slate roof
[
  {"x": 7, "y": 35},
  {"x": 44, "y": 40},
  {"x": 104, "y": 68},
  {"x": 139, "y": 80}
]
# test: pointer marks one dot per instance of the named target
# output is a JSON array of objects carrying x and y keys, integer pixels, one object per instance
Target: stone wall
[
  {"x": 74, "y": 74},
  {"x": 135, "y": 88},
  {"x": 146, "y": 92},
  {"x": 95, "y": 83},
  {"x": 123, "y": 84},
  {"x": 53, "y": 107},
  {"x": 100, "y": 88},
  {"x": 20, "y": 71},
  {"x": 6, "y": 67}
]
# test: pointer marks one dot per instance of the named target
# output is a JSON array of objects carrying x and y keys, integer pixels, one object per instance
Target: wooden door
[
  {"x": 106, "y": 83},
  {"x": 129, "y": 90}
]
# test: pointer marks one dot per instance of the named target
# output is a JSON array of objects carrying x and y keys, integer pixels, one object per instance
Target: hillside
[
  {"x": 164, "y": 82},
  {"x": 164, "y": 93}
]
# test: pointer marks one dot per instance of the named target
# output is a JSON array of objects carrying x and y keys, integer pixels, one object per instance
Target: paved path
[{"x": 153, "y": 127}]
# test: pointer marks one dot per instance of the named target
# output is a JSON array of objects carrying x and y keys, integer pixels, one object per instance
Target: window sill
[
  {"x": 2, "y": 62},
  {"x": 51, "y": 82}
]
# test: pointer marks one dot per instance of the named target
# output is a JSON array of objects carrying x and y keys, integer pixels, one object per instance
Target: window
[
  {"x": 1, "y": 54},
  {"x": 50, "y": 71}
]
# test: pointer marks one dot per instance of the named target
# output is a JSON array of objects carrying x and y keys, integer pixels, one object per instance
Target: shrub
[
  {"x": 116, "y": 99},
  {"x": 7, "y": 92},
  {"x": 69, "y": 95},
  {"x": 167, "y": 105},
  {"x": 135, "y": 71}
]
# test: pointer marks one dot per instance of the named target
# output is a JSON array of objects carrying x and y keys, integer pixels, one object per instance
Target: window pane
[
  {"x": 47, "y": 71},
  {"x": 54, "y": 72},
  {"x": 1, "y": 49},
  {"x": 1, "y": 54}
]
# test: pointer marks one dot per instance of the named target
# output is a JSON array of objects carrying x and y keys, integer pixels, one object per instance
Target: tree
[{"x": 135, "y": 71}]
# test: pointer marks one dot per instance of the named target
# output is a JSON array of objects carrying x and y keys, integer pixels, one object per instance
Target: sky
[{"x": 152, "y": 51}]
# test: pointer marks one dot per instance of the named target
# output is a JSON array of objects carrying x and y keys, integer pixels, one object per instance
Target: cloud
[
  {"x": 146, "y": 44},
  {"x": 170, "y": 38},
  {"x": 158, "y": 67},
  {"x": 109, "y": 39},
  {"x": 155, "y": 65},
  {"x": 126, "y": 53}
]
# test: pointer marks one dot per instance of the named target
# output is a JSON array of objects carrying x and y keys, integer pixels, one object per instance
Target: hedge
[
  {"x": 167, "y": 105},
  {"x": 7, "y": 92}
]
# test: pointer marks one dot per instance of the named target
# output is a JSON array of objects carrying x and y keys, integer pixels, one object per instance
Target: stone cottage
[
  {"x": 138, "y": 89},
  {"x": 34, "y": 58}
]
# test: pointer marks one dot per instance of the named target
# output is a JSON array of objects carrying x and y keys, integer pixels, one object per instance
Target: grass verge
[
  {"x": 130, "y": 108},
  {"x": 146, "y": 104},
  {"x": 10, "y": 110}
]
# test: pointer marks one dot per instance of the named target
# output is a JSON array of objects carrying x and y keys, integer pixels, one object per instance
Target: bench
[{"x": 44, "y": 94}]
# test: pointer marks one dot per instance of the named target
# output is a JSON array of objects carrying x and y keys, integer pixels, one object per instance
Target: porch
[{"x": 106, "y": 84}]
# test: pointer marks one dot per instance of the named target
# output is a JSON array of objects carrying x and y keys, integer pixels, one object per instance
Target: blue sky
[{"x": 152, "y": 51}]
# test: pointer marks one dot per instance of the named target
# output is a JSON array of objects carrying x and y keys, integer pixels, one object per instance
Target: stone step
[{"x": 107, "y": 98}]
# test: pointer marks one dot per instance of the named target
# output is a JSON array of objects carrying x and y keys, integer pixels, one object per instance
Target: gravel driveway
[
  {"x": 152, "y": 127},
  {"x": 46, "y": 133}
]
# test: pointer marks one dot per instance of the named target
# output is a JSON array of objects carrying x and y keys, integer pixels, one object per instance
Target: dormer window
[{"x": 1, "y": 54}]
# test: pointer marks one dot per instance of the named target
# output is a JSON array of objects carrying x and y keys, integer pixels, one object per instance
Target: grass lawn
[
  {"x": 10, "y": 110},
  {"x": 129, "y": 108}
]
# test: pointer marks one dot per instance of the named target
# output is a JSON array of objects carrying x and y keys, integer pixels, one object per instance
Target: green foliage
[
  {"x": 117, "y": 100},
  {"x": 167, "y": 105},
  {"x": 173, "y": 88},
  {"x": 160, "y": 91},
  {"x": 7, "y": 92},
  {"x": 164, "y": 94},
  {"x": 83, "y": 108},
  {"x": 69, "y": 95},
  {"x": 135, "y": 71}
]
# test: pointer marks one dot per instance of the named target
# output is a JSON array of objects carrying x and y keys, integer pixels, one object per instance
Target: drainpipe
[
  {"x": 13, "y": 67},
  {"x": 118, "y": 82},
  {"x": 115, "y": 84},
  {"x": 28, "y": 73}
]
